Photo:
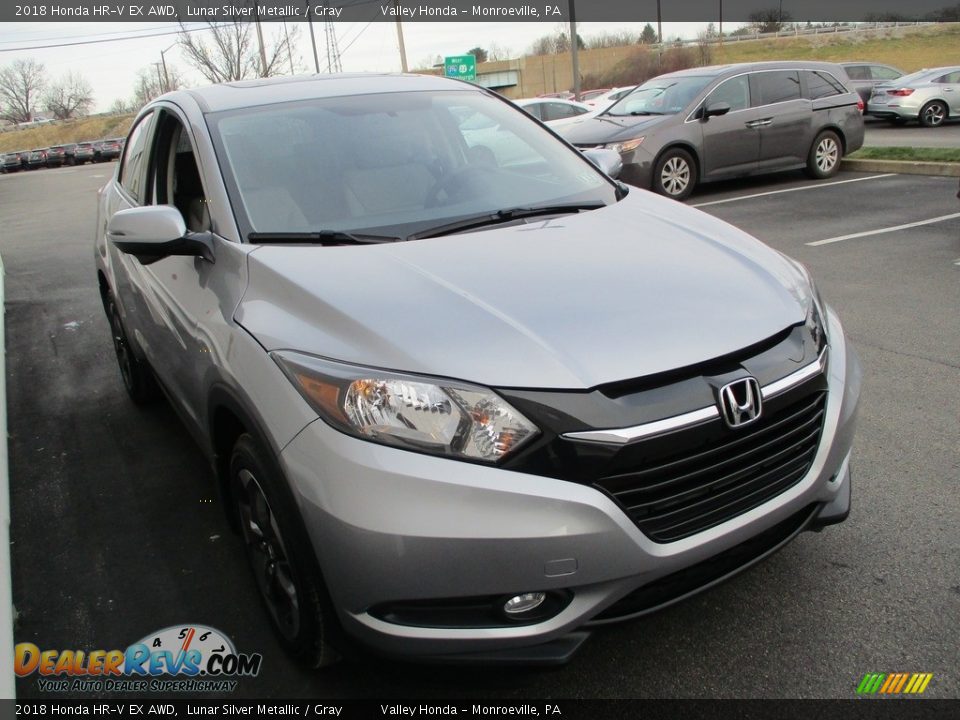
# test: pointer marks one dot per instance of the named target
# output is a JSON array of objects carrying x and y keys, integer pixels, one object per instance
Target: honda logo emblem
[{"x": 740, "y": 402}]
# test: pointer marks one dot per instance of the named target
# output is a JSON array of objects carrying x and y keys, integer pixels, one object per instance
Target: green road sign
[{"x": 462, "y": 67}]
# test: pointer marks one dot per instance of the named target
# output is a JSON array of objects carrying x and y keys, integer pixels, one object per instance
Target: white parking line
[
  {"x": 794, "y": 189},
  {"x": 885, "y": 230}
]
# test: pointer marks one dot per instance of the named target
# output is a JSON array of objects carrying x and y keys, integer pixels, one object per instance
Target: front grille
[{"x": 696, "y": 478}]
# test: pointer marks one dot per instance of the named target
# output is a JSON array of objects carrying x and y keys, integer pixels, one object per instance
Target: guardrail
[
  {"x": 7, "y": 689},
  {"x": 795, "y": 31}
]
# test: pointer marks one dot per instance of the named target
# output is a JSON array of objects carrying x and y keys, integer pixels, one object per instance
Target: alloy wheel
[
  {"x": 934, "y": 114},
  {"x": 828, "y": 152},
  {"x": 675, "y": 175},
  {"x": 268, "y": 555}
]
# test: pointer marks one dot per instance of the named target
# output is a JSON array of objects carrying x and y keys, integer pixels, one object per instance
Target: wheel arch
[{"x": 682, "y": 145}]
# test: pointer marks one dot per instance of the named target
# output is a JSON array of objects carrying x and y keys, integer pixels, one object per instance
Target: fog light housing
[{"x": 523, "y": 603}]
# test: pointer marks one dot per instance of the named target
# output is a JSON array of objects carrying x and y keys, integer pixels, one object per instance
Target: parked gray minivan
[{"x": 724, "y": 121}]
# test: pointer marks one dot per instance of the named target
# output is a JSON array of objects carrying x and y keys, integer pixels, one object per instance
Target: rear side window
[
  {"x": 774, "y": 86},
  {"x": 858, "y": 72},
  {"x": 821, "y": 85},
  {"x": 879, "y": 72},
  {"x": 559, "y": 111},
  {"x": 535, "y": 109},
  {"x": 953, "y": 77},
  {"x": 131, "y": 167}
]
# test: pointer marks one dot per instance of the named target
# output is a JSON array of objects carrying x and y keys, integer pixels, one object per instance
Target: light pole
[
  {"x": 313, "y": 39},
  {"x": 574, "y": 53},
  {"x": 163, "y": 61}
]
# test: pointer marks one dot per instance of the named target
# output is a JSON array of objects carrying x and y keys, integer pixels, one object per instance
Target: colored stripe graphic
[{"x": 894, "y": 683}]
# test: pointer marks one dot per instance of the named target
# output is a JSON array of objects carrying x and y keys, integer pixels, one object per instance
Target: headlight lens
[
  {"x": 626, "y": 146},
  {"x": 814, "y": 324},
  {"x": 443, "y": 418}
]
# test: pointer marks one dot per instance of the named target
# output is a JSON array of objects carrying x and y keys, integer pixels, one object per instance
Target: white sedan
[{"x": 552, "y": 110}]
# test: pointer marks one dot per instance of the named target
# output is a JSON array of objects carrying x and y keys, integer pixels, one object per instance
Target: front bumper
[{"x": 389, "y": 525}]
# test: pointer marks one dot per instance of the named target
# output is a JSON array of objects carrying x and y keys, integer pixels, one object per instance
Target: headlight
[
  {"x": 814, "y": 323},
  {"x": 434, "y": 416},
  {"x": 626, "y": 146}
]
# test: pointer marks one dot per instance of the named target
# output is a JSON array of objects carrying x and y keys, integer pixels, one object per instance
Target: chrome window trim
[{"x": 624, "y": 436}]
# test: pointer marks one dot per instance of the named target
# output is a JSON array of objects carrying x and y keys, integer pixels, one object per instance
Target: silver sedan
[{"x": 930, "y": 96}]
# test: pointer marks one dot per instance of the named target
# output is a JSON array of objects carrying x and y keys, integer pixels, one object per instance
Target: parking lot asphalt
[
  {"x": 117, "y": 532},
  {"x": 880, "y": 133}
]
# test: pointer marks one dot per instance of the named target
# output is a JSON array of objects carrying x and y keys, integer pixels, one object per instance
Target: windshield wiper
[
  {"x": 645, "y": 112},
  {"x": 501, "y": 216},
  {"x": 320, "y": 237}
]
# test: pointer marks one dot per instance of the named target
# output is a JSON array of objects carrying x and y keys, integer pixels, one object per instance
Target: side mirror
[
  {"x": 607, "y": 160},
  {"x": 715, "y": 109},
  {"x": 155, "y": 232}
]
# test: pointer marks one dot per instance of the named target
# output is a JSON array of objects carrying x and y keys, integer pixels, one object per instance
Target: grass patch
[
  {"x": 908, "y": 48},
  {"x": 68, "y": 131},
  {"x": 907, "y": 153}
]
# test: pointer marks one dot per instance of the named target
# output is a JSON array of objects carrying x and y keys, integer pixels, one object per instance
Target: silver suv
[
  {"x": 465, "y": 395},
  {"x": 726, "y": 121}
]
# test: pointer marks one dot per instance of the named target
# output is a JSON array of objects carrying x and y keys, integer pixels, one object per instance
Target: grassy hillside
[
  {"x": 909, "y": 48},
  {"x": 70, "y": 131}
]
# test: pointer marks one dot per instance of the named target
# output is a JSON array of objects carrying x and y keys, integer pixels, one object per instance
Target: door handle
[{"x": 759, "y": 123}]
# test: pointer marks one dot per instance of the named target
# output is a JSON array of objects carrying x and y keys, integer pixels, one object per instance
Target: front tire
[
  {"x": 280, "y": 557},
  {"x": 823, "y": 160},
  {"x": 675, "y": 174},
  {"x": 933, "y": 114},
  {"x": 137, "y": 377}
]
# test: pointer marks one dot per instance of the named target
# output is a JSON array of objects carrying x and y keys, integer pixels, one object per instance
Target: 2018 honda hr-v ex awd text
[{"x": 465, "y": 395}]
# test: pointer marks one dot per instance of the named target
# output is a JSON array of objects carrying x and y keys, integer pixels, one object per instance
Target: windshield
[
  {"x": 660, "y": 96},
  {"x": 393, "y": 164}
]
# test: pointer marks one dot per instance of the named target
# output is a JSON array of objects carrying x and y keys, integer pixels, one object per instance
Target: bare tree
[
  {"x": 21, "y": 86},
  {"x": 498, "y": 52},
  {"x": 70, "y": 96},
  {"x": 704, "y": 47},
  {"x": 230, "y": 51},
  {"x": 149, "y": 85},
  {"x": 613, "y": 39}
]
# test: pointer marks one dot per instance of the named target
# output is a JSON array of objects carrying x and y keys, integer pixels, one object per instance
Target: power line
[{"x": 112, "y": 39}]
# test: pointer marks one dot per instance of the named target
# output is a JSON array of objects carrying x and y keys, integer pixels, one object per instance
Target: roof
[
  {"x": 266, "y": 91},
  {"x": 733, "y": 68}
]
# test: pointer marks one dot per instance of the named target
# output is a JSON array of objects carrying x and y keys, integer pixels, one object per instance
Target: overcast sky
[{"x": 111, "y": 67}]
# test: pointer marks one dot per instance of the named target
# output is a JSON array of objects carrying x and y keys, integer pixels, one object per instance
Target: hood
[
  {"x": 640, "y": 287},
  {"x": 601, "y": 129}
]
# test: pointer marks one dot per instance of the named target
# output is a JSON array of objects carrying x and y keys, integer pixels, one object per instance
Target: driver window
[
  {"x": 735, "y": 92},
  {"x": 178, "y": 180}
]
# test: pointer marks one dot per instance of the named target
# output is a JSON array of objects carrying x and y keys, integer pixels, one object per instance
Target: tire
[
  {"x": 933, "y": 114},
  {"x": 675, "y": 174},
  {"x": 137, "y": 377},
  {"x": 280, "y": 556},
  {"x": 823, "y": 160}
]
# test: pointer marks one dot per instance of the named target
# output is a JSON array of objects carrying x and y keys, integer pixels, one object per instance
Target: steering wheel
[{"x": 453, "y": 184}]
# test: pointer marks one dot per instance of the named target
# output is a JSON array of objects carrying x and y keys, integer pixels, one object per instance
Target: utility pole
[
  {"x": 313, "y": 40},
  {"x": 289, "y": 49},
  {"x": 166, "y": 75},
  {"x": 160, "y": 85},
  {"x": 721, "y": 22},
  {"x": 574, "y": 53},
  {"x": 659, "y": 38},
  {"x": 263, "y": 52},
  {"x": 403, "y": 50}
]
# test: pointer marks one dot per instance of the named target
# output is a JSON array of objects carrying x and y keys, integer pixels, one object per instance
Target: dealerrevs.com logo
[{"x": 182, "y": 658}]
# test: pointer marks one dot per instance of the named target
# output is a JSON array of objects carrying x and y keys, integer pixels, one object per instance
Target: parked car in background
[
  {"x": 605, "y": 100},
  {"x": 928, "y": 96},
  {"x": 56, "y": 156},
  {"x": 104, "y": 150},
  {"x": 79, "y": 153},
  {"x": 563, "y": 95},
  {"x": 12, "y": 161},
  {"x": 587, "y": 95},
  {"x": 37, "y": 159},
  {"x": 864, "y": 76},
  {"x": 551, "y": 110},
  {"x": 458, "y": 409},
  {"x": 724, "y": 121}
]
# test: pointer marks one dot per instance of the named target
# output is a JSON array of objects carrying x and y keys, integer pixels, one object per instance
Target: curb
[{"x": 904, "y": 167}]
